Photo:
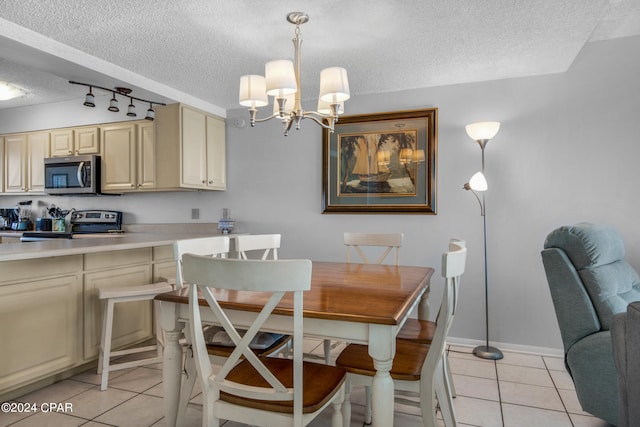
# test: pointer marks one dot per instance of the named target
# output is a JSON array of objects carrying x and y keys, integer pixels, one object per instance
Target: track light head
[{"x": 89, "y": 99}]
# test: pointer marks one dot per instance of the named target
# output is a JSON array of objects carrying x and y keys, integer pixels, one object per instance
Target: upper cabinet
[
  {"x": 24, "y": 156},
  {"x": 128, "y": 157},
  {"x": 75, "y": 141},
  {"x": 198, "y": 140}
]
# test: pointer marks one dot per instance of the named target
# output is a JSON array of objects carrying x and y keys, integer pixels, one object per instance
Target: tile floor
[{"x": 520, "y": 390}]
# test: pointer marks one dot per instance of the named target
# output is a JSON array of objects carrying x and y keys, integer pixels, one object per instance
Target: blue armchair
[
  {"x": 625, "y": 333},
  {"x": 590, "y": 282}
]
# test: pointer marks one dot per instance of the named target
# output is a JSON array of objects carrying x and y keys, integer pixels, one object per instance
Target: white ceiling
[{"x": 197, "y": 49}]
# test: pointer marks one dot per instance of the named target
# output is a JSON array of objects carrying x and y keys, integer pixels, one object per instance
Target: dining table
[{"x": 356, "y": 303}]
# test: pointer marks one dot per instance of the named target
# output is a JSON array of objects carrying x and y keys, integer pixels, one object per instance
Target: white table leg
[
  {"x": 171, "y": 362},
  {"x": 382, "y": 348}
]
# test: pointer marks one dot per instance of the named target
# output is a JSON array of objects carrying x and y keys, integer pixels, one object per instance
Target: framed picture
[{"x": 381, "y": 163}]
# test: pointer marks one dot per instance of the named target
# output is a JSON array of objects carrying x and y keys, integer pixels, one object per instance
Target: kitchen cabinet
[
  {"x": 24, "y": 162},
  {"x": 197, "y": 139},
  {"x": 128, "y": 157},
  {"x": 40, "y": 307},
  {"x": 75, "y": 141}
]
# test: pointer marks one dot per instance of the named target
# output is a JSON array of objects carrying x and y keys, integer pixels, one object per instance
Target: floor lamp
[{"x": 481, "y": 133}]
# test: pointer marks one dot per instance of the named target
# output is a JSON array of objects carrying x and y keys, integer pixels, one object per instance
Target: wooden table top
[{"x": 365, "y": 293}]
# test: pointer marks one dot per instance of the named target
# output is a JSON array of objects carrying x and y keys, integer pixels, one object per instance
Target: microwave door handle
[{"x": 81, "y": 174}]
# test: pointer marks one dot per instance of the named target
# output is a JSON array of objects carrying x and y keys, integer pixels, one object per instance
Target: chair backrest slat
[
  {"x": 267, "y": 243},
  {"x": 389, "y": 241}
]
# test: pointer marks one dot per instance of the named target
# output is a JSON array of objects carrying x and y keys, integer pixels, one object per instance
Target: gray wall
[{"x": 566, "y": 152}]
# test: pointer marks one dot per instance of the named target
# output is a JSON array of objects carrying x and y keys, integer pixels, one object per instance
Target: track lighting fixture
[{"x": 89, "y": 100}]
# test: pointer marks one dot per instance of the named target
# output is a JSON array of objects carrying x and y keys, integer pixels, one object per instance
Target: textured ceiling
[{"x": 200, "y": 48}]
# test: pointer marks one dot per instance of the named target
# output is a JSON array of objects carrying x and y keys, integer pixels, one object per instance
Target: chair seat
[
  {"x": 149, "y": 290},
  {"x": 417, "y": 330},
  {"x": 407, "y": 363},
  {"x": 225, "y": 350},
  {"x": 320, "y": 383}
]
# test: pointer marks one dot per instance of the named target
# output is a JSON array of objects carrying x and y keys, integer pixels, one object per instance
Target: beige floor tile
[
  {"x": 42, "y": 419},
  {"x": 58, "y": 392},
  {"x": 462, "y": 354},
  {"x": 479, "y": 388},
  {"x": 524, "y": 375},
  {"x": 524, "y": 416},
  {"x": 9, "y": 418},
  {"x": 147, "y": 410},
  {"x": 95, "y": 424},
  {"x": 192, "y": 418},
  {"x": 530, "y": 395},
  {"x": 562, "y": 380},
  {"x": 137, "y": 380},
  {"x": 571, "y": 403},
  {"x": 94, "y": 402},
  {"x": 588, "y": 421},
  {"x": 461, "y": 349},
  {"x": 522, "y": 359},
  {"x": 473, "y": 368},
  {"x": 554, "y": 363},
  {"x": 477, "y": 412},
  {"x": 91, "y": 377}
]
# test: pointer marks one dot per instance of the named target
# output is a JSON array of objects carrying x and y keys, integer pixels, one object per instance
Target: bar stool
[{"x": 127, "y": 294}]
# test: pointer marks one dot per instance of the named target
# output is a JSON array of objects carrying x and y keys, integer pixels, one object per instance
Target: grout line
[
  {"x": 495, "y": 364},
  {"x": 566, "y": 410}
]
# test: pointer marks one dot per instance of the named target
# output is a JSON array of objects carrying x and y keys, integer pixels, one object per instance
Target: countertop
[{"x": 75, "y": 246}]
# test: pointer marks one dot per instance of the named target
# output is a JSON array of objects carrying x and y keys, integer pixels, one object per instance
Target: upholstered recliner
[
  {"x": 625, "y": 333},
  {"x": 590, "y": 282}
]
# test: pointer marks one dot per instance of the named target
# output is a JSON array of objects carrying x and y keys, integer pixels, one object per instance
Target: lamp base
[{"x": 487, "y": 352}]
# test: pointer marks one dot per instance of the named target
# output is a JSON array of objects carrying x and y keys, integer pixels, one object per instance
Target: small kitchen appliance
[
  {"x": 72, "y": 175},
  {"x": 8, "y": 216}
]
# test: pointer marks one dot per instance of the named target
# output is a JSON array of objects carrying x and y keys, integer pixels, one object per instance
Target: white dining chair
[
  {"x": 380, "y": 245},
  {"x": 248, "y": 389},
  {"x": 262, "y": 246},
  {"x": 417, "y": 368}
]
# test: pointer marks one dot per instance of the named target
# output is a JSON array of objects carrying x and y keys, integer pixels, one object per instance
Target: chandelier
[{"x": 282, "y": 81}]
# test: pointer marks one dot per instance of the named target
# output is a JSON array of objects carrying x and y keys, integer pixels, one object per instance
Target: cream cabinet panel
[
  {"x": 62, "y": 143},
  {"x": 132, "y": 321},
  {"x": 216, "y": 154},
  {"x": 38, "y": 150},
  {"x": 15, "y": 153},
  {"x": 197, "y": 139},
  {"x": 128, "y": 157},
  {"x": 75, "y": 141},
  {"x": 118, "y": 148},
  {"x": 146, "y": 156},
  {"x": 194, "y": 149},
  {"x": 24, "y": 162},
  {"x": 42, "y": 319}
]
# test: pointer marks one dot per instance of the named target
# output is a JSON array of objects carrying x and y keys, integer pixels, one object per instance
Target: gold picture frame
[{"x": 381, "y": 163}]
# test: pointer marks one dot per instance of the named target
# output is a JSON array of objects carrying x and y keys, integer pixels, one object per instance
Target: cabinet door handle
[
  {"x": 70, "y": 152},
  {"x": 210, "y": 182}
]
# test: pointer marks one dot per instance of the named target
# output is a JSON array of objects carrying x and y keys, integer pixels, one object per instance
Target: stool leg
[
  {"x": 157, "y": 328},
  {"x": 105, "y": 344},
  {"x": 327, "y": 352}
]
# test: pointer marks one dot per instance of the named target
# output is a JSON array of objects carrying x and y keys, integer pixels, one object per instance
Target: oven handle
[{"x": 81, "y": 174}]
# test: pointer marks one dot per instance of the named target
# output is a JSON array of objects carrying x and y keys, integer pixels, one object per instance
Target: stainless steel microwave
[{"x": 72, "y": 175}]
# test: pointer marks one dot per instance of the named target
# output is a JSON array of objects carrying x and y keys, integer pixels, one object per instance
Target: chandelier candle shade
[
  {"x": 481, "y": 133},
  {"x": 282, "y": 81}
]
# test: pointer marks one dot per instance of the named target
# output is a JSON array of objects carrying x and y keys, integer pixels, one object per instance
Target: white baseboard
[{"x": 513, "y": 348}]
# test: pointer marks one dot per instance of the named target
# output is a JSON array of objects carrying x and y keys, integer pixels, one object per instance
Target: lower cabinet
[
  {"x": 51, "y": 316},
  {"x": 41, "y": 314}
]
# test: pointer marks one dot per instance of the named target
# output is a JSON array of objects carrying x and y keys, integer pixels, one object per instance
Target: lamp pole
[{"x": 485, "y": 351}]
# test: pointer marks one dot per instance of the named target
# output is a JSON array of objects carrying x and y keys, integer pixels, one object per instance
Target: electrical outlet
[{"x": 195, "y": 213}]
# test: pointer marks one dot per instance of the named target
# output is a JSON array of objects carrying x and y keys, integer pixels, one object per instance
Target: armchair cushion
[
  {"x": 625, "y": 334},
  {"x": 597, "y": 253}
]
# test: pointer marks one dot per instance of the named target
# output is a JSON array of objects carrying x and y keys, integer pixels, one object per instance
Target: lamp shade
[
  {"x": 280, "y": 77},
  {"x": 334, "y": 85},
  {"x": 253, "y": 91},
  {"x": 482, "y": 130},
  {"x": 478, "y": 182}
]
